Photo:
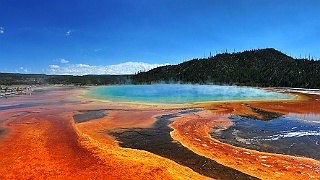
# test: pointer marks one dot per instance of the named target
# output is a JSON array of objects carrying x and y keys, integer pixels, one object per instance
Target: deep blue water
[{"x": 180, "y": 94}]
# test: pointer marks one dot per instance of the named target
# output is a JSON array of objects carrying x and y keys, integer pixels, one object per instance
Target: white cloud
[
  {"x": 68, "y": 33},
  {"x": 84, "y": 69},
  {"x": 62, "y": 60},
  {"x": 1, "y": 30},
  {"x": 54, "y": 67},
  {"x": 22, "y": 69}
]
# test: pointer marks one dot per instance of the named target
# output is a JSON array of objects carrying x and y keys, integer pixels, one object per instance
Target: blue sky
[{"x": 88, "y": 36}]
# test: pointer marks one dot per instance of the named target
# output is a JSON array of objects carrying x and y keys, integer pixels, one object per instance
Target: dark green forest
[{"x": 262, "y": 67}]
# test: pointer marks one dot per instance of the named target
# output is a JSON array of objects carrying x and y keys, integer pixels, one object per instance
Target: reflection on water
[
  {"x": 307, "y": 118},
  {"x": 293, "y": 134},
  {"x": 18, "y": 106}
]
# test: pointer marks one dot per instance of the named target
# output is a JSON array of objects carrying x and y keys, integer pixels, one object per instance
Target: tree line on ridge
[{"x": 260, "y": 68}]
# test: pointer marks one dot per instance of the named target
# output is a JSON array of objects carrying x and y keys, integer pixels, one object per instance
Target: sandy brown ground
[{"x": 42, "y": 141}]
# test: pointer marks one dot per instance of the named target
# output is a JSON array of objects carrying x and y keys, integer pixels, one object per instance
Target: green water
[{"x": 180, "y": 94}]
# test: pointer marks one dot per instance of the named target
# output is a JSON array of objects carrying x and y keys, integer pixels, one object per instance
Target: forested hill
[{"x": 263, "y": 67}]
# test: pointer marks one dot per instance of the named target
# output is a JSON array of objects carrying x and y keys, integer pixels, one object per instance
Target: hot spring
[{"x": 180, "y": 93}]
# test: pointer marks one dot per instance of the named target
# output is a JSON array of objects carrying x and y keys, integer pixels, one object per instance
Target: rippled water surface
[{"x": 293, "y": 134}]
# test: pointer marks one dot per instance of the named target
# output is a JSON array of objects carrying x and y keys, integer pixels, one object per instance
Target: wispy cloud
[
  {"x": 84, "y": 69},
  {"x": 22, "y": 69},
  {"x": 68, "y": 33},
  {"x": 1, "y": 30},
  {"x": 54, "y": 67},
  {"x": 62, "y": 60}
]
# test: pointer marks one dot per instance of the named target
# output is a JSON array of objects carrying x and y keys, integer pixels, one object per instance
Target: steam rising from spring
[{"x": 181, "y": 94}]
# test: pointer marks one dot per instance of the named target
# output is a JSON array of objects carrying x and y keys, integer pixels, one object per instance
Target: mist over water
[{"x": 180, "y": 94}]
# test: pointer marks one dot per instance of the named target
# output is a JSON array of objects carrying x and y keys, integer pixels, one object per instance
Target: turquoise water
[{"x": 180, "y": 94}]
